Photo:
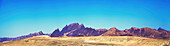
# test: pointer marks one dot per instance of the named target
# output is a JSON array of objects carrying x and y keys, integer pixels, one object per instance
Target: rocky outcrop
[
  {"x": 76, "y": 30},
  {"x": 56, "y": 33},
  {"x": 71, "y": 27}
]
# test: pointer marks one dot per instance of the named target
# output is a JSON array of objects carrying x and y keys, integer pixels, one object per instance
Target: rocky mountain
[
  {"x": 22, "y": 37},
  {"x": 56, "y": 33},
  {"x": 142, "y": 32},
  {"x": 148, "y": 32},
  {"x": 113, "y": 32},
  {"x": 75, "y": 29},
  {"x": 78, "y": 30},
  {"x": 71, "y": 28}
]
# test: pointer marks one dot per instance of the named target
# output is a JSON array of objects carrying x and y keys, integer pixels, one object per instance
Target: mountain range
[
  {"x": 76, "y": 30},
  {"x": 22, "y": 37}
]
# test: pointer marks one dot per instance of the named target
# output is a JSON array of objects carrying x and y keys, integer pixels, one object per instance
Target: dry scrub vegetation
[{"x": 88, "y": 41}]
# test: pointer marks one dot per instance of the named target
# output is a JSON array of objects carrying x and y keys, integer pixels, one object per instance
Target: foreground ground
[{"x": 88, "y": 41}]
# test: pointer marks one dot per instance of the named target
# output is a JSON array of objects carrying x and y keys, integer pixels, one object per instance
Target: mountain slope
[
  {"x": 56, "y": 33},
  {"x": 22, "y": 37}
]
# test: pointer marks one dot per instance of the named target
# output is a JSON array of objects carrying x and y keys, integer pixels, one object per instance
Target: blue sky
[{"x": 21, "y": 17}]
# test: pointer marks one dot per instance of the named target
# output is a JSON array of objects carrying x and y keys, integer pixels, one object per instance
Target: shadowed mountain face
[
  {"x": 22, "y": 37},
  {"x": 79, "y": 30},
  {"x": 56, "y": 33}
]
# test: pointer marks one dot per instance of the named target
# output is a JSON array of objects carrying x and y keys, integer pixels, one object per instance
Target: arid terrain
[
  {"x": 45, "y": 40},
  {"x": 79, "y": 35},
  {"x": 79, "y": 30}
]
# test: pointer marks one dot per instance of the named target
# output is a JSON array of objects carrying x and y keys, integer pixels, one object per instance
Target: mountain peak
[
  {"x": 126, "y": 30},
  {"x": 134, "y": 28},
  {"x": 57, "y": 30},
  {"x": 41, "y": 33},
  {"x": 81, "y": 26},
  {"x": 146, "y": 27},
  {"x": 113, "y": 28},
  {"x": 56, "y": 33},
  {"x": 74, "y": 24},
  {"x": 101, "y": 29},
  {"x": 160, "y": 28}
]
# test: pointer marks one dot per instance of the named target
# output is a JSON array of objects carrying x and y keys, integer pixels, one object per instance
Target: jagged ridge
[
  {"x": 76, "y": 30},
  {"x": 79, "y": 30}
]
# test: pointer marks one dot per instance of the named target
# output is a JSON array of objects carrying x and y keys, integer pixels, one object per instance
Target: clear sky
[{"x": 21, "y": 17}]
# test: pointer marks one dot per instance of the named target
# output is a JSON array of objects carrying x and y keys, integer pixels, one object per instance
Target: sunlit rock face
[{"x": 113, "y": 32}]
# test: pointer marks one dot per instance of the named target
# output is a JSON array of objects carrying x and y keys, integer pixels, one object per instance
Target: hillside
[{"x": 45, "y": 40}]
